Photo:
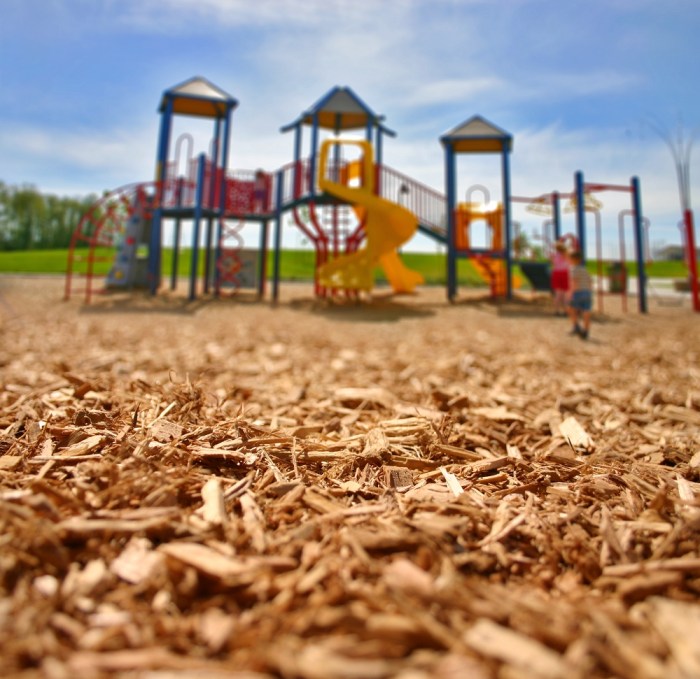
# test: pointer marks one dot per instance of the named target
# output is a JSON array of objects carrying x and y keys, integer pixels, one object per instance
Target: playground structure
[
  {"x": 217, "y": 202},
  {"x": 355, "y": 210},
  {"x": 583, "y": 201}
]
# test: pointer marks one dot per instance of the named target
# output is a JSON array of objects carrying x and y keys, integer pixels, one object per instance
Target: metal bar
[
  {"x": 692, "y": 257},
  {"x": 580, "y": 214},
  {"x": 507, "y": 221},
  {"x": 195, "y": 224},
  {"x": 639, "y": 244}
]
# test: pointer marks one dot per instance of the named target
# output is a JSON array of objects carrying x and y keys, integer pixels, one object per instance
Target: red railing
[{"x": 240, "y": 186}]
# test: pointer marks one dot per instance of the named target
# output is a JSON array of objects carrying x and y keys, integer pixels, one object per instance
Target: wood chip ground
[{"x": 395, "y": 488}]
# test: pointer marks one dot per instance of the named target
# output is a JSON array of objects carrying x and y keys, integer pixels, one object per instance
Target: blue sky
[{"x": 577, "y": 83}]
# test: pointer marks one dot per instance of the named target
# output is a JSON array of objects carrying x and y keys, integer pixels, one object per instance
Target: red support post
[{"x": 692, "y": 257}]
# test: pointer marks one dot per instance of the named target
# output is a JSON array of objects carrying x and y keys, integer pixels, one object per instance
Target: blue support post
[
  {"x": 297, "y": 160},
  {"x": 639, "y": 244},
  {"x": 556, "y": 214},
  {"x": 262, "y": 258},
  {"x": 199, "y": 198},
  {"x": 580, "y": 214},
  {"x": 154, "y": 251},
  {"x": 208, "y": 240},
  {"x": 379, "y": 162},
  {"x": 450, "y": 192},
  {"x": 215, "y": 162},
  {"x": 222, "y": 196},
  {"x": 164, "y": 144},
  {"x": 224, "y": 163},
  {"x": 217, "y": 255},
  {"x": 211, "y": 204},
  {"x": 507, "y": 220},
  {"x": 176, "y": 238},
  {"x": 314, "y": 154},
  {"x": 278, "y": 239}
]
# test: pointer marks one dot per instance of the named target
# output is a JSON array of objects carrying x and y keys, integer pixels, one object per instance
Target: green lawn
[{"x": 294, "y": 265}]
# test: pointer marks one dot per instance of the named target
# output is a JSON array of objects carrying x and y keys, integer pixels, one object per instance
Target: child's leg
[
  {"x": 563, "y": 303},
  {"x": 573, "y": 317},
  {"x": 586, "y": 317}
]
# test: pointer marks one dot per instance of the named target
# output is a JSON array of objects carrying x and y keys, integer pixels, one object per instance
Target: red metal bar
[
  {"x": 599, "y": 256},
  {"x": 606, "y": 187},
  {"x": 692, "y": 257}
]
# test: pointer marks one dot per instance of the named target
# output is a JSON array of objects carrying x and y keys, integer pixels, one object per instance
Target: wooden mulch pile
[{"x": 406, "y": 490}]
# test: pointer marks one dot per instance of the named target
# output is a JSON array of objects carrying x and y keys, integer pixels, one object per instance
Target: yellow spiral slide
[{"x": 387, "y": 227}]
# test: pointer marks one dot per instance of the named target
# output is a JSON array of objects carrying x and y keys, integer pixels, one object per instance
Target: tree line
[{"x": 31, "y": 220}]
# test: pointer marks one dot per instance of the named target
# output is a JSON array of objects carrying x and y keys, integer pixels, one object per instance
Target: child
[
  {"x": 559, "y": 280},
  {"x": 581, "y": 300},
  {"x": 260, "y": 192}
]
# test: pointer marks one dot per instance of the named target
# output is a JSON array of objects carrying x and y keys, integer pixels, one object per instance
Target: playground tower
[
  {"x": 478, "y": 135},
  {"x": 330, "y": 225},
  {"x": 200, "y": 98}
]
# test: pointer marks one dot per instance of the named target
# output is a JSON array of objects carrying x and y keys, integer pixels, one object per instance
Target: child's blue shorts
[{"x": 581, "y": 300}]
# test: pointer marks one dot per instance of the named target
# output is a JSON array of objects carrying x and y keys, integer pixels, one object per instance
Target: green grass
[
  {"x": 294, "y": 265},
  {"x": 34, "y": 261},
  {"x": 662, "y": 269}
]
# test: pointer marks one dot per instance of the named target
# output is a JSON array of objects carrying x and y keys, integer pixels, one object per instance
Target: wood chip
[
  {"x": 452, "y": 482},
  {"x": 575, "y": 434},
  {"x": 492, "y": 640}
]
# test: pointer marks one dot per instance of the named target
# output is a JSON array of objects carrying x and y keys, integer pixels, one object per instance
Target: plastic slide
[
  {"x": 495, "y": 273},
  {"x": 387, "y": 227}
]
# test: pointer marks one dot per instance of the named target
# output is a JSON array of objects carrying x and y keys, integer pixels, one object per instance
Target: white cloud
[
  {"x": 155, "y": 14},
  {"x": 564, "y": 85},
  {"x": 77, "y": 161},
  {"x": 453, "y": 90}
]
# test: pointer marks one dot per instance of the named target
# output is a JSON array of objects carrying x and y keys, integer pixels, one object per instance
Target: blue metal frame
[
  {"x": 505, "y": 179},
  {"x": 580, "y": 213},
  {"x": 639, "y": 244},
  {"x": 579, "y": 187},
  {"x": 262, "y": 258},
  {"x": 314, "y": 152},
  {"x": 556, "y": 214},
  {"x": 450, "y": 193},
  {"x": 198, "y": 210},
  {"x": 212, "y": 195},
  {"x": 176, "y": 240},
  {"x": 278, "y": 239}
]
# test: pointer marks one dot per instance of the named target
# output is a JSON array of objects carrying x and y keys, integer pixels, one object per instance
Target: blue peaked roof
[
  {"x": 198, "y": 97},
  {"x": 477, "y": 135},
  {"x": 339, "y": 109}
]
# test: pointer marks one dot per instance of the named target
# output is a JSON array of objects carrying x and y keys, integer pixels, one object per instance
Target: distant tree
[
  {"x": 32, "y": 220},
  {"x": 29, "y": 211},
  {"x": 521, "y": 245}
]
